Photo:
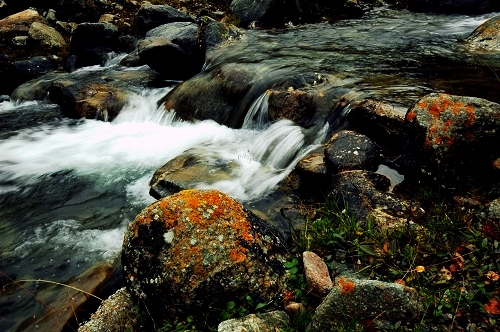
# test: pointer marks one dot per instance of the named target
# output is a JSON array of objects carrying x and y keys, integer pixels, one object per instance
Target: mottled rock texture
[
  {"x": 151, "y": 16},
  {"x": 213, "y": 34},
  {"x": 450, "y": 136},
  {"x": 349, "y": 150},
  {"x": 115, "y": 314},
  {"x": 365, "y": 195},
  {"x": 486, "y": 36},
  {"x": 267, "y": 322},
  {"x": 200, "y": 248},
  {"x": 354, "y": 299},
  {"x": 318, "y": 278}
]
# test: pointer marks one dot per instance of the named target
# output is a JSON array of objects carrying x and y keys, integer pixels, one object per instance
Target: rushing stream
[{"x": 68, "y": 189}]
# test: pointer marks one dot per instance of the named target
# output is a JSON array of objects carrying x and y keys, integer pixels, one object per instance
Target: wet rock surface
[
  {"x": 349, "y": 150},
  {"x": 213, "y": 34},
  {"x": 187, "y": 170},
  {"x": 151, "y": 16},
  {"x": 200, "y": 248},
  {"x": 449, "y": 136}
]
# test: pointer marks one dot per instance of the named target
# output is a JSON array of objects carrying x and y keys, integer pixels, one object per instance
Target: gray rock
[
  {"x": 46, "y": 36},
  {"x": 214, "y": 34},
  {"x": 365, "y": 196},
  {"x": 454, "y": 6},
  {"x": 354, "y": 299},
  {"x": 486, "y": 36},
  {"x": 167, "y": 58},
  {"x": 248, "y": 11},
  {"x": 452, "y": 136},
  {"x": 150, "y": 16},
  {"x": 117, "y": 313},
  {"x": 310, "y": 176},
  {"x": 267, "y": 322},
  {"x": 349, "y": 150},
  {"x": 187, "y": 170},
  {"x": 85, "y": 94},
  {"x": 200, "y": 248},
  {"x": 183, "y": 34},
  {"x": 25, "y": 70},
  {"x": 381, "y": 122}
]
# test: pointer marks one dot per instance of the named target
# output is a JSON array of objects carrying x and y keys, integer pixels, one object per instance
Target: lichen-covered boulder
[
  {"x": 486, "y": 36},
  {"x": 451, "y": 136},
  {"x": 198, "y": 249},
  {"x": 348, "y": 150},
  {"x": 356, "y": 299}
]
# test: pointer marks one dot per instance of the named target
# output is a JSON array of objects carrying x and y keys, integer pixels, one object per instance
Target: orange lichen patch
[
  {"x": 347, "y": 286},
  {"x": 411, "y": 115},
  {"x": 237, "y": 255},
  {"x": 471, "y": 117},
  {"x": 496, "y": 163},
  {"x": 422, "y": 105}
]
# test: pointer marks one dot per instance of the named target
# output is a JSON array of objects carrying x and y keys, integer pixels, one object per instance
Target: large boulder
[
  {"x": 151, "y": 16},
  {"x": 198, "y": 249},
  {"x": 91, "y": 42},
  {"x": 486, "y": 36},
  {"x": 85, "y": 94},
  {"x": 452, "y": 136},
  {"x": 225, "y": 94},
  {"x": 454, "y": 6},
  {"x": 354, "y": 299}
]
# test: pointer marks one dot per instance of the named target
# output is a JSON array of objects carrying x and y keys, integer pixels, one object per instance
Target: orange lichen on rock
[
  {"x": 237, "y": 255},
  {"x": 410, "y": 116},
  {"x": 347, "y": 286}
]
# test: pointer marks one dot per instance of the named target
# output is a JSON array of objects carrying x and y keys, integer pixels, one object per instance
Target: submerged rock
[
  {"x": 452, "y": 136},
  {"x": 355, "y": 299},
  {"x": 486, "y": 36},
  {"x": 267, "y": 322},
  {"x": 187, "y": 170},
  {"x": 200, "y": 248}
]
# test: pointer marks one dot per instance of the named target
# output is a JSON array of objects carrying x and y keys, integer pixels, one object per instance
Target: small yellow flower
[{"x": 420, "y": 269}]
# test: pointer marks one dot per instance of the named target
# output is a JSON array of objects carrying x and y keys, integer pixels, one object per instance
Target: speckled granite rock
[
  {"x": 318, "y": 278},
  {"x": 200, "y": 248},
  {"x": 114, "y": 314},
  {"x": 268, "y": 322}
]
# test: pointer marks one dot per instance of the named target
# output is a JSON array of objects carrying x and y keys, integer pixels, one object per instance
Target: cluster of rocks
[{"x": 199, "y": 248}]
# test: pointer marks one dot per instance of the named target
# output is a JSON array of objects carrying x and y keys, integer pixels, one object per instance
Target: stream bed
[{"x": 69, "y": 188}]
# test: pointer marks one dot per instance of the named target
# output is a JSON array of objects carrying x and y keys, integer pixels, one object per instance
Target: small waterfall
[{"x": 257, "y": 116}]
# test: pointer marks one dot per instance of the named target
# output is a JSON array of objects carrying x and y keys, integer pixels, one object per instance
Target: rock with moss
[
  {"x": 354, "y": 299},
  {"x": 486, "y": 36},
  {"x": 267, "y": 322},
  {"x": 451, "y": 137},
  {"x": 199, "y": 249}
]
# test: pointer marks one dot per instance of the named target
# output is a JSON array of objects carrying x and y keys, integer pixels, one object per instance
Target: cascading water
[{"x": 69, "y": 188}]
